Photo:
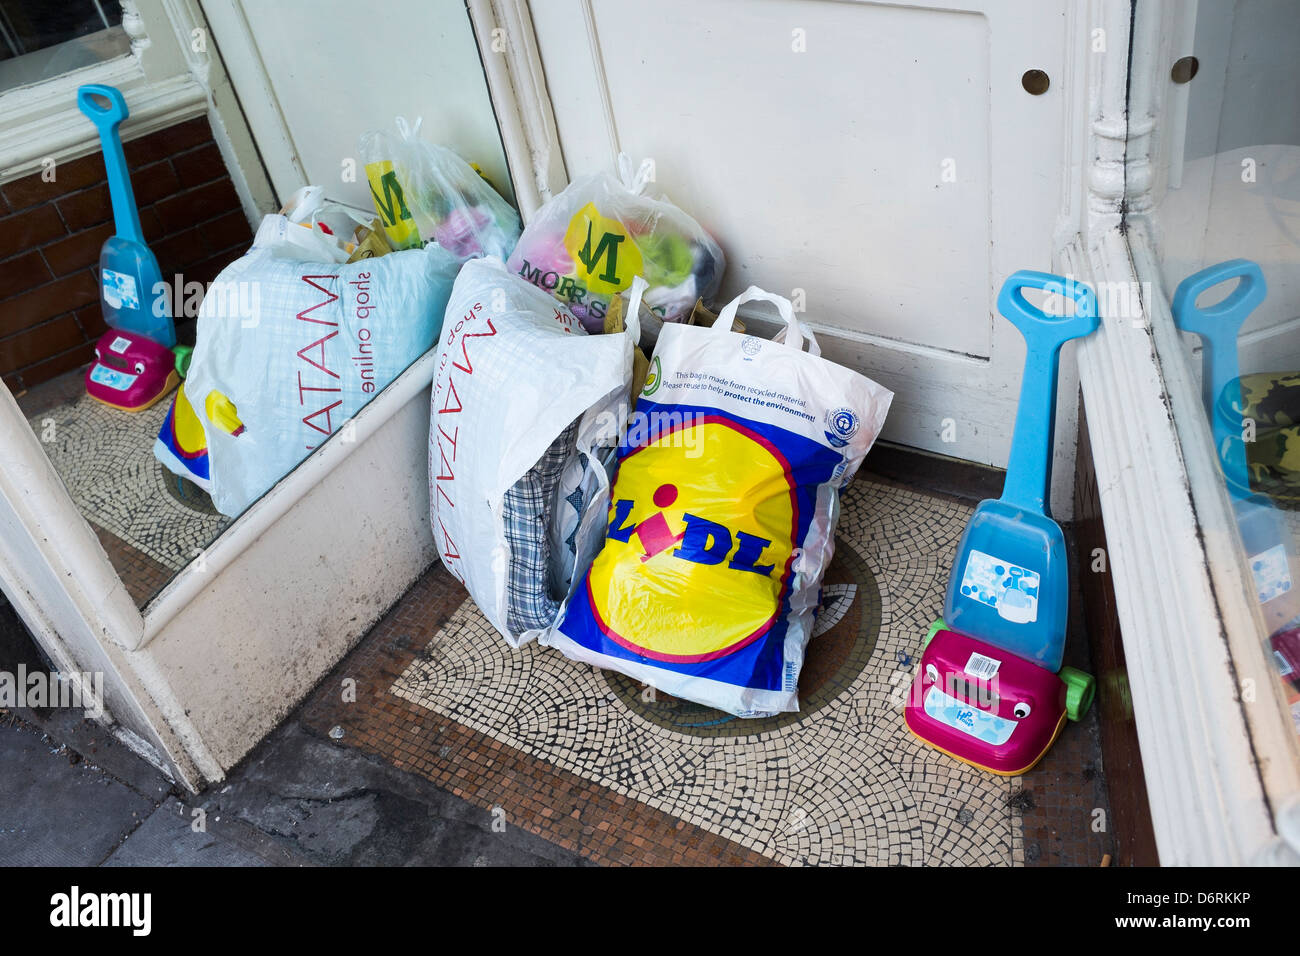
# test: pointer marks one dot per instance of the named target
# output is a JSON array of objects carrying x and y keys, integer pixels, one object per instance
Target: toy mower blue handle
[
  {"x": 1218, "y": 326},
  {"x": 107, "y": 119},
  {"x": 1029, "y": 468}
]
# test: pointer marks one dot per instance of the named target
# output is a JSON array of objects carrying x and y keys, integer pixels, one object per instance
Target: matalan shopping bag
[
  {"x": 288, "y": 350},
  {"x": 521, "y": 397},
  {"x": 722, "y": 515}
]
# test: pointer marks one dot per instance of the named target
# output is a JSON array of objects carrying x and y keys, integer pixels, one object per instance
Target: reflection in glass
[
  {"x": 40, "y": 39},
  {"x": 1226, "y": 228}
]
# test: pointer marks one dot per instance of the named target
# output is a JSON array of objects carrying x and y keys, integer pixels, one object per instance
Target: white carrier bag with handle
[
  {"x": 289, "y": 349},
  {"x": 722, "y": 514},
  {"x": 521, "y": 394}
]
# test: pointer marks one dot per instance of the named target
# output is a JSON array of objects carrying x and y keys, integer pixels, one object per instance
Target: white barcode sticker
[
  {"x": 981, "y": 667},
  {"x": 119, "y": 345}
]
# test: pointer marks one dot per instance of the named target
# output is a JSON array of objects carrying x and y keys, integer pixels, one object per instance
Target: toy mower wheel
[
  {"x": 1079, "y": 688},
  {"x": 935, "y": 628}
]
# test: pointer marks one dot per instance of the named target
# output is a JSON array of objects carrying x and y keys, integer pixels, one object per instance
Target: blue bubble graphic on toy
[{"x": 1011, "y": 590}]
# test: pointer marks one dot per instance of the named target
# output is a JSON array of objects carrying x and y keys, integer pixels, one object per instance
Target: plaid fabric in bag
[
  {"x": 528, "y": 507},
  {"x": 520, "y": 395}
]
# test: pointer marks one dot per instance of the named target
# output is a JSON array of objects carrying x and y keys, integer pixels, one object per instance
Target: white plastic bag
[
  {"x": 722, "y": 515},
  {"x": 311, "y": 228},
  {"x": 520, "y": 396},
  {"x": 288, "y": 350},
  {"x": 586, "y": 244},
  {"x": 426, "y": 193}
]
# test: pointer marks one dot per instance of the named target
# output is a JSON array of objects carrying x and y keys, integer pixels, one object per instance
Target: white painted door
[
  {"x": 313, "y": 75},
  {"x": 885, "y": 159}
]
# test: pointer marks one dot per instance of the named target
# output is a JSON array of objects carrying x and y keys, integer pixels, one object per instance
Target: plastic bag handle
[
  {"x": 794, "y": 332},
  {"x": 632, "y": 321},
  {"x": 635, "y": 181},
  {"x": 813, "y": 347},
  {"x": 409, "y": 130}
]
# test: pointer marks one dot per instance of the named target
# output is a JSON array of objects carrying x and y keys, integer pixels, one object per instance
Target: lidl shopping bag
[
  {"x": 287, "y": 351},
  {"x": 722, "y": 515},
  {"x": 586, "y": 244},
  {"x": 522, "y": 398}
]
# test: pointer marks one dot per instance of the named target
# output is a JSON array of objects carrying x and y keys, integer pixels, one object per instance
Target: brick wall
[{"x": 51, "y": 233}]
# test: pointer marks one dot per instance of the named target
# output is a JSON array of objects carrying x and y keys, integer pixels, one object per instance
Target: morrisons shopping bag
[
  {"x": 523, "y": 399},
  {"x": 722, "y": 515},
  {"x": 585, "y": 245},
  {"x": 427, "y": 193}
]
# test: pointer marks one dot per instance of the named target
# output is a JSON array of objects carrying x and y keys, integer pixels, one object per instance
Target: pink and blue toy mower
[
  {"x": 1263, "y": 528},
  {"x": 991, "y": 689},
  {"x": 131, "y": 288},
  {"x": 134, "y": 362}
]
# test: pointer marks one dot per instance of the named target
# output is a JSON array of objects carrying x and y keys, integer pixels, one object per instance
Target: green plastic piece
[
  {"x": 666, "y": 258},
  {"x": 938, "y": 625},
  {"x": 183, "y": 355},
  {"x": 1079, "y": 689}
]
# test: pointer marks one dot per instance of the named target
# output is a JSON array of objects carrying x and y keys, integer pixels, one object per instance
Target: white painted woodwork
[
  {"x": 824, "y": 170},
  {"x": 313, "y": 75}
]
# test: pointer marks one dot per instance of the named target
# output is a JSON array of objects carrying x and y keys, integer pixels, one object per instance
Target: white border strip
[{"x": 267, "y": 510}]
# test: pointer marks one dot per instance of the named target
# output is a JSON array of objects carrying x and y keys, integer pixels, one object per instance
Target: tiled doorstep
[{"x": 544, "y": 743}]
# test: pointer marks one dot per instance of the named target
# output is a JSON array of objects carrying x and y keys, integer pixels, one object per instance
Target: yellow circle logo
[
  {"x": 698, "y": 548},
  {"x": 604, "y": 256}
]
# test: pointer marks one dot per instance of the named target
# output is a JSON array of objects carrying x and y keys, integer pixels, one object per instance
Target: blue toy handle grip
[
  {"x": 107, "y": 119},
  {"x": 88, "y": 97},
  {"x": 1029, "y": 468},
  {"x": 1218, "y": 326},
  {"x": 1040, "y": 329}
]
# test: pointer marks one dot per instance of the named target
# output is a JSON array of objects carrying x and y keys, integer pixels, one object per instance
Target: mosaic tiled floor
[
  {"x": 155, "y": 523},
  {"x": 596, "y": 764}
]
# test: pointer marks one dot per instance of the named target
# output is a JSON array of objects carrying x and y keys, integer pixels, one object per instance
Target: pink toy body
[
  {"x": 1286, "y": 654},
  {"x": 984, "y": 705},
  {"x": 130, "y": 371}
]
